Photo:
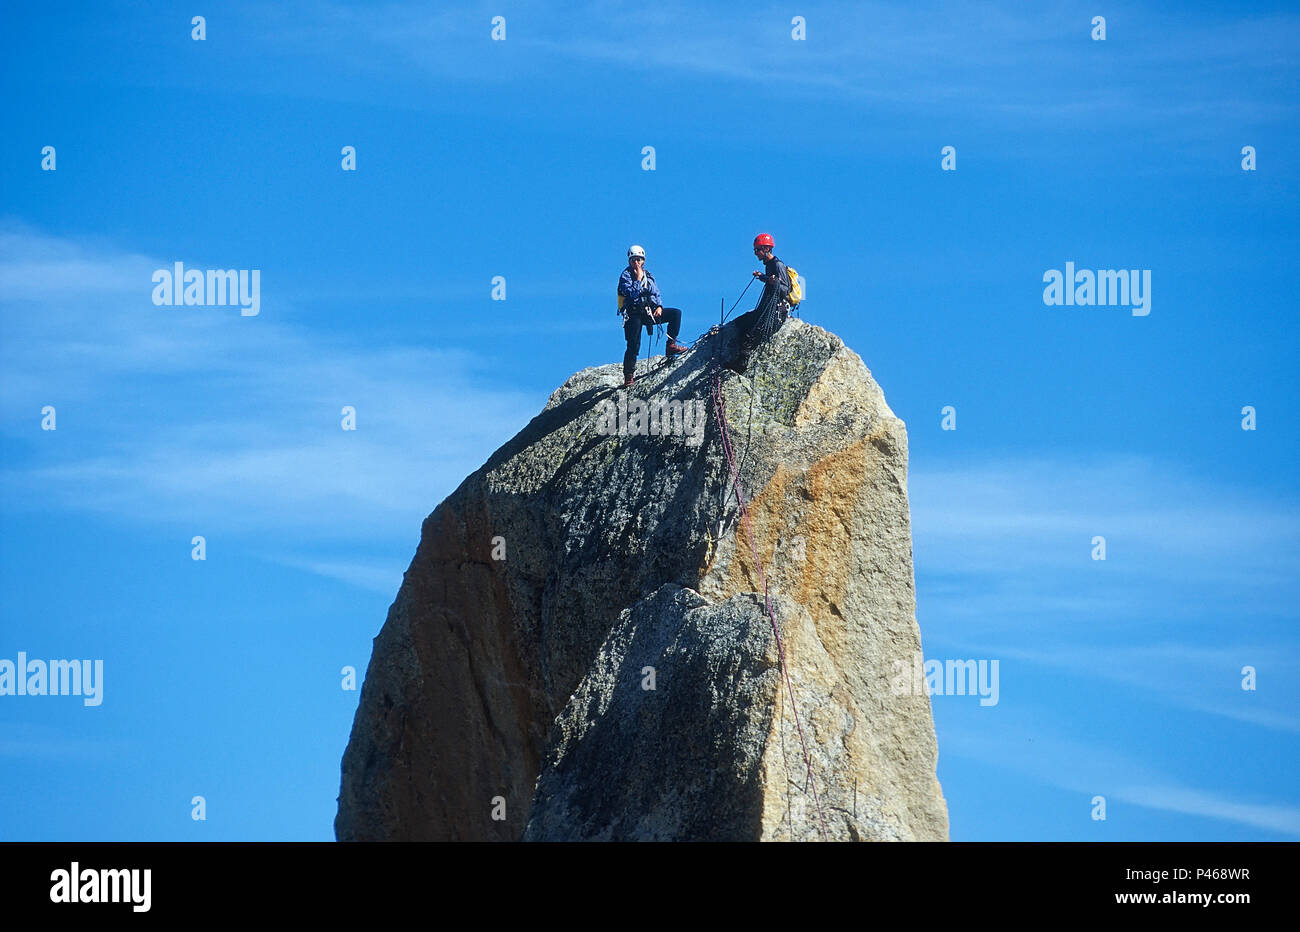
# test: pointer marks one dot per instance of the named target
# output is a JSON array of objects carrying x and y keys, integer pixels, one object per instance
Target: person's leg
[
  {"x": 745, "y": 324},
  {"x": 632, "y": 331},
  {"x": 744, "y": 334},
  {"x": 673, "y": 318}
]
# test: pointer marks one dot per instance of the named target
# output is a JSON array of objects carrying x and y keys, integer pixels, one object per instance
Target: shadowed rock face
[
  {"x": 682, "y": 760},
  {"x": 524, "y": 679}
]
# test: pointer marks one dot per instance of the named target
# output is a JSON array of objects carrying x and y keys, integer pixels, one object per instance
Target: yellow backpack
[{"x": 796, "y": 287}]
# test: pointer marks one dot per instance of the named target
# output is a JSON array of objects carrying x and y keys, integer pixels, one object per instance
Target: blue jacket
[{"x": 638, "y": 295}]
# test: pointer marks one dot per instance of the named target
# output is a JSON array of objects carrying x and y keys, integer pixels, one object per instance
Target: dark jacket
[{"x": 779, "y": 290}]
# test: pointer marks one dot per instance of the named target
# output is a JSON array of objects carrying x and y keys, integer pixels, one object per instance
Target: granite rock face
[{"x": 580, "y": 647}]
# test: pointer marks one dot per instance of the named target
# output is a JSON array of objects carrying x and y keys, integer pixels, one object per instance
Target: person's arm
[
  {"x": 782, "y": 280},
  {"x": 652, "y": 290},
  {"x": 624, "y": 293}
]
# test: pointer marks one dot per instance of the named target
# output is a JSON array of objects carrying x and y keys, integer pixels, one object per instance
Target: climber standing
[
  {"x": 773, "y": 306},
  {"x": 639, "y": 305}
]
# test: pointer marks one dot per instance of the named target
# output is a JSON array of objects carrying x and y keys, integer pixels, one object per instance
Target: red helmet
[{"x": 764, "y": 239}]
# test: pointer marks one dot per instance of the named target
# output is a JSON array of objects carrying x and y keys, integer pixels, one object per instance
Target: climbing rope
[
  {"x": 738, "y": 300},
  {"x": 720, "y": 409},
  {"x": 691, "y": 345},
  {"x": 728, "y": 449},
  {"x": 763, "y": 328}
]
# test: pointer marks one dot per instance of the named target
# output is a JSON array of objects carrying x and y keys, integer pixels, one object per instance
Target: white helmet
[{"x": 635, "y": 251}]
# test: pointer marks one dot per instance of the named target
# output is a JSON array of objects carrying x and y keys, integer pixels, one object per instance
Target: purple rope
[{"x": 720, "y": 408}]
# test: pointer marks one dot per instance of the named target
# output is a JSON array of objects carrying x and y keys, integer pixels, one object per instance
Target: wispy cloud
[
  {"x": 928, "y": 58},
  {"x": 384, "y": 578},
  {"x": 29, "y": 741},
  {"x": 1202, "y": 578},
  {"x": 1090, "y": 769},
  {"x": 200, "y": 416},
  {"x": 1198, "y": 677},
  {"x": 1188, "y": 801},
  {"x": 997, "y": 539}
]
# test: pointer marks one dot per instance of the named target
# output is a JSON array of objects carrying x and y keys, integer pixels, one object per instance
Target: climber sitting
[
  {"x": 639, "y": 305},
  {"x": 773, "y": 307}
]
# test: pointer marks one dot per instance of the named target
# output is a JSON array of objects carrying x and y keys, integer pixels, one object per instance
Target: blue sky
[{"x": 522, "y": 158}]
